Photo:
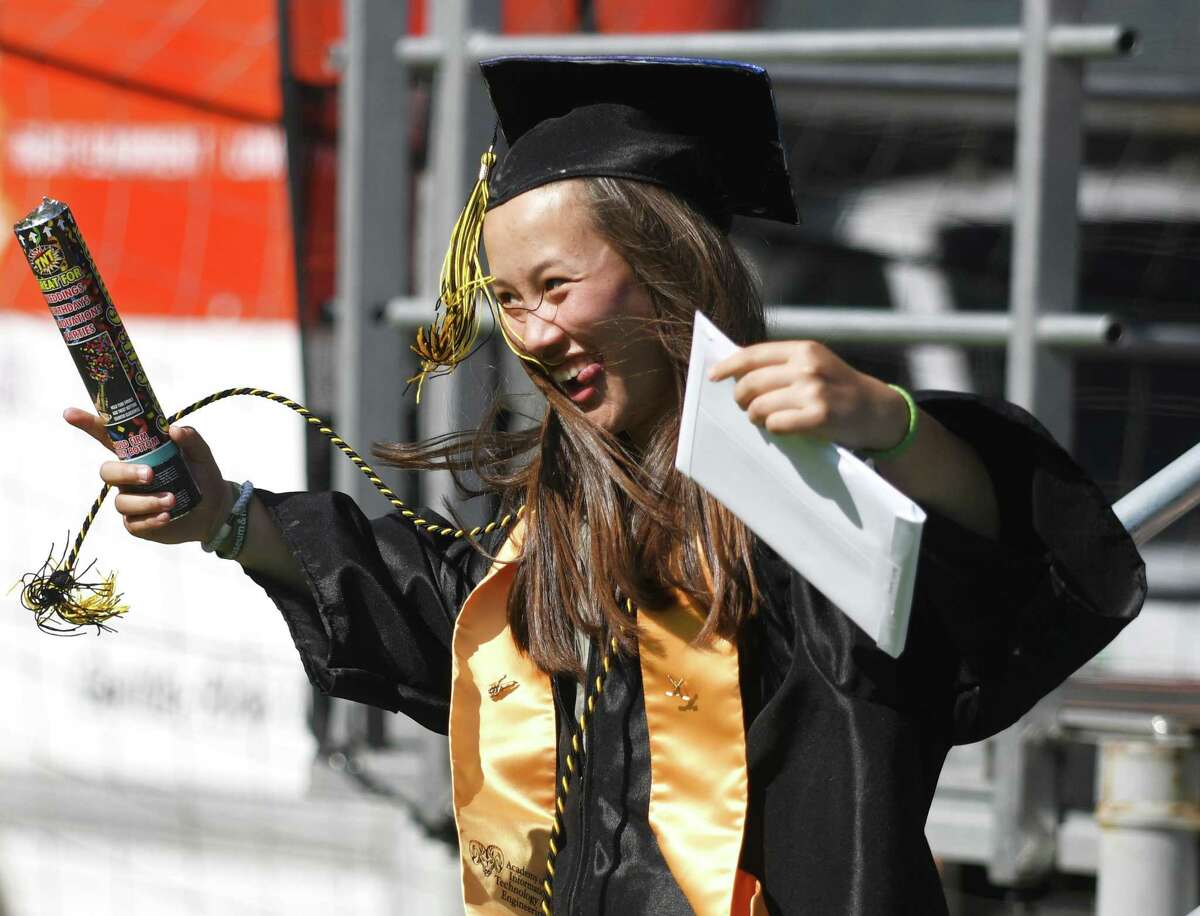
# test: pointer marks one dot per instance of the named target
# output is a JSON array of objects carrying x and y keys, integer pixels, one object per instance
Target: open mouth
[{"x": 581, "y": 382}]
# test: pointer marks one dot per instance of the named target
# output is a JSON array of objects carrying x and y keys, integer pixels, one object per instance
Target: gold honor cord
[
  {"x": 57, "y": 594},
  {"x": 573, "y": 761}
]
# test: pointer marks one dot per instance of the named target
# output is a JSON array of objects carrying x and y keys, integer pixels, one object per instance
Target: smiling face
[{"x": 569, "y": 300}]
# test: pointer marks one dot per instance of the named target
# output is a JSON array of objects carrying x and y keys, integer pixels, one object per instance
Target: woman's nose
[{"x": 543, "y": 339}]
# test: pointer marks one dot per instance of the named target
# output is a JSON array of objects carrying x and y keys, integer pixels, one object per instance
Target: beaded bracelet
[
  {"x": 909, "y": 436},
  {"x": 235, "y": 525}
]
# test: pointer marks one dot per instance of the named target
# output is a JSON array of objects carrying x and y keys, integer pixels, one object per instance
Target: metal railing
[
  {"x": 1095, "y": 334},
  {"x": 925, "y": 45},
  {"x": 1162, "y": 499},
  {"x": 874, "y": 326}
]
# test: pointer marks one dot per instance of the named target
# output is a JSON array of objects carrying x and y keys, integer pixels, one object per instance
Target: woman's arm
[
  {"x": 146, "y": 515},
  {"x": 942, "y": 471},
  {"x": 800, "y": 387},
  {"x": 264, "y": 552},
  {"x": 369, "y": 604}
]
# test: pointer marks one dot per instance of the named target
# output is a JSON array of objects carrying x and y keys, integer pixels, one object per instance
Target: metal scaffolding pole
[
  {"x": 872, "y": 326},
  {"x": 970, "y": 329},
  {"x": 445, "y": 194},
  {"x": 1044, "y": 267},
  {"x": 1163, "y": 498},
  {"x": 1046, "y": 222},
  {"x": 1066, "y": 40},
  {"x": 1149, "y": 817},
  {"x": 1147, "y": 809},
  {"x": 458, "y": 136},
  {"x": 372, "y": 228},
  {"x": 1148, "y": 780},
  {"x": 373, "y": 234},
  {"x": 877, "y": 326}
]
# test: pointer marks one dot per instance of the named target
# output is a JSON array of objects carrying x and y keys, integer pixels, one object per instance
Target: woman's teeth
[{"x": 564, "y": 375}]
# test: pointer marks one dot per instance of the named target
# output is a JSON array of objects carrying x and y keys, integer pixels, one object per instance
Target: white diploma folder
[{"x": 844, "y": 528}]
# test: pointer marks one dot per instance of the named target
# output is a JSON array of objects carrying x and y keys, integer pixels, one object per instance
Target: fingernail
[{"x": 145, "y": 474}]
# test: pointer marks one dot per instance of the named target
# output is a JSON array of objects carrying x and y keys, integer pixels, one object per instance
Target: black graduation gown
[{"x": 844, "y": 744}]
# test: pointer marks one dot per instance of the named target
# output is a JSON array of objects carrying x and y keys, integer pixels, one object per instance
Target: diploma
[{"x": 848, "y": 531}]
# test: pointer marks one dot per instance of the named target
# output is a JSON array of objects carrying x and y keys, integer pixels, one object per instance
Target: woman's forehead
[
  {"x": 550, "y": 220},
  {"x": 547, "y": 202}
]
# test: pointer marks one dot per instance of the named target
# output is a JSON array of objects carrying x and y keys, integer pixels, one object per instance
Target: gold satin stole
[{"x": 503, "y": 753}]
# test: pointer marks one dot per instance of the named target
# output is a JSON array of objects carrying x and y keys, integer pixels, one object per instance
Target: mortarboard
[{"x": 704, "y": 129}]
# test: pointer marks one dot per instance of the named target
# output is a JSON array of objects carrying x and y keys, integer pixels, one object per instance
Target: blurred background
[{"x": 999, "y": 197}]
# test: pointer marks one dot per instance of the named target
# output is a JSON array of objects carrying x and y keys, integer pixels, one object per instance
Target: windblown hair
[{"x": 606, "y": 521}]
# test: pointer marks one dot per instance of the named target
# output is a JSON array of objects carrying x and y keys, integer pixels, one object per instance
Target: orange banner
[{"x": 161, "y": 132}]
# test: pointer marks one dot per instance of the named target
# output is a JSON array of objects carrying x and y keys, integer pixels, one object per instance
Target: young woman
[{"x": 649, "y": 711}]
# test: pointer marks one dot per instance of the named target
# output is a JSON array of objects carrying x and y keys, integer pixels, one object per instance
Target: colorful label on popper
[{"x": 102, "y": 350}]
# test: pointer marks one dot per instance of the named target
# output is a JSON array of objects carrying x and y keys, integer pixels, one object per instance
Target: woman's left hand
[{"x": 801, "y": 387}]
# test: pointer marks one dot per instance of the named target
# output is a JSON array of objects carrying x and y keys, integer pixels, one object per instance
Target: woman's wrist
[
  {"x": 265, "y": 553},
  {"x": 224, "y": 505},
  {"x": 229, "y": 539},
  {"x": 891, "y": 420},
  {"x": 900, "y": 422}
]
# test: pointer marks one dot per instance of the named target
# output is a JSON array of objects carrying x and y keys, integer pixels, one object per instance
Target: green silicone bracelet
[{"x": 909, "y": 436}]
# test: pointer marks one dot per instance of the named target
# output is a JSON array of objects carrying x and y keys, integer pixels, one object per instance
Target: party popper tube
[{"x": 102, "y": 350}]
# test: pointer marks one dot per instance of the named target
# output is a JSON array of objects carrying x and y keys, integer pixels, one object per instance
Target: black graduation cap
[{"x": 705, "y": 129}]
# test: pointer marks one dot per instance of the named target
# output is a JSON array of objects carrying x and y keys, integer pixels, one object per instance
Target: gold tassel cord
[
  {"x": 56, "y": 593},
  {"x": 62, "y": 601},
  {"x": 451, "y": 337},
  {"x": 574, "y": 761}
]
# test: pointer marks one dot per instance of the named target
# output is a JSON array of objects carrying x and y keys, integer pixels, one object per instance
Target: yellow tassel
[
  {"x": 451, "y": 337},
  {"x": 56, "y": 595},
  {"x": 99, "y": 603}
]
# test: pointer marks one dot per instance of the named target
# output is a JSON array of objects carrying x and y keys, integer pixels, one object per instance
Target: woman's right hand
[{"x": 145, "y": 512}]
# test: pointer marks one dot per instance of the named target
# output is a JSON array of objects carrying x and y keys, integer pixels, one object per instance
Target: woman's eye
[{"x": 554, "y": 283}]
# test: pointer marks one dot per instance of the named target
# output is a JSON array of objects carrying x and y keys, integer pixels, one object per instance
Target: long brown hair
[{"x": 607, "y": 522}]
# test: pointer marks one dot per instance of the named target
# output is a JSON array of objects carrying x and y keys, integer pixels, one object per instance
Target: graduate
[{"x": 649, "y": 712}]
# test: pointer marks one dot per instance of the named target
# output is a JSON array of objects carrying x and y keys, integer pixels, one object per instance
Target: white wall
[{"x": 122, "y": 755}]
